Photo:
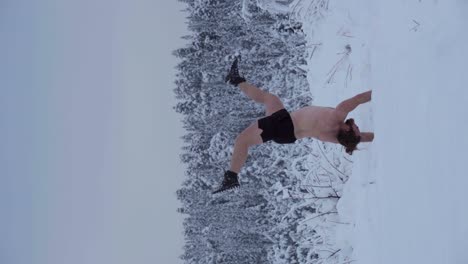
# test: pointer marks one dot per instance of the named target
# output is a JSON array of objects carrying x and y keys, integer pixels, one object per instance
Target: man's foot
[
  {"x": 230, "y": 181},
  {"x": 233, "y": 76}
]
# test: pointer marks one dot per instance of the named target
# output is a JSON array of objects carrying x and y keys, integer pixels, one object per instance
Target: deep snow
[{"x": 405, "y": 200}]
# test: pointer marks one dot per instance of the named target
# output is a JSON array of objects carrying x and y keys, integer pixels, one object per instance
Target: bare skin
[
  {"x": 323, "y": 123},
  {"x": 318, "y": 122}
]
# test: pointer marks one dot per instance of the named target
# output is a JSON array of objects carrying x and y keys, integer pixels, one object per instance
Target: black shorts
[{"x": 277, "y": 127}]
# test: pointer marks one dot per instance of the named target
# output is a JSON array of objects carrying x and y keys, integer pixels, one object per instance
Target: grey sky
[{"x": 90, "y": 143}]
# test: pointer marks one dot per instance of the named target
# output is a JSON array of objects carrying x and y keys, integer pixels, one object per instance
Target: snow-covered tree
[{"x": 289, "y": 192}]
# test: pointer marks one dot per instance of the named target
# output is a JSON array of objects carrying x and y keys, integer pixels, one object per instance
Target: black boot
[
  {"x": 230, "y": 181},
  {"x": 233, "y": 76}
]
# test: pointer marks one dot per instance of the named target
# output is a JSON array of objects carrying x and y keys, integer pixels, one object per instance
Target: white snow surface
[{"x": 406, "y": 200}]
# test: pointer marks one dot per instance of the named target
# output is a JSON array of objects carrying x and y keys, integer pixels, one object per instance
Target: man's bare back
[
  {"x": 318, "y": 122},
  {"x": 324, "y": 123}
]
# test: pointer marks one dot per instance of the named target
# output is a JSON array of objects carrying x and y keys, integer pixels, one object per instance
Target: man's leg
[
  {"x": 249, "y": 137},
  {"x": 272, "y": 102}
]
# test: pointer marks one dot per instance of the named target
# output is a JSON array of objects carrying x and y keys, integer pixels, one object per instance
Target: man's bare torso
[{"x": 317, "y": 122}]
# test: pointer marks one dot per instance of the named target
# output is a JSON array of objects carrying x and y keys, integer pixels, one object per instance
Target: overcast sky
[{"x": 89, "y": 141}]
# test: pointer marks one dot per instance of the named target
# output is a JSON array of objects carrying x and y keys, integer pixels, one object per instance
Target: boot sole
[{"x": 234, "y": 189}]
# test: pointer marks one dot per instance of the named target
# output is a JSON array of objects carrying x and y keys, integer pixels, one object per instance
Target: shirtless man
[{"x": 324, "y": 123}]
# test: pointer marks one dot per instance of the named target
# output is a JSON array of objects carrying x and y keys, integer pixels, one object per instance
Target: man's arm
[
  {"x": 367, "y": 136},
  {"x": 349, "y": 105}
]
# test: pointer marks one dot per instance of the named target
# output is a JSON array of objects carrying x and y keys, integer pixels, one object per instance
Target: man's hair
[{"x": 348, "y": 139}]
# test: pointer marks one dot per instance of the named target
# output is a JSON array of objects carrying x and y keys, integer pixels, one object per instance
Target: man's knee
[
  {"x": 272, "y": 99},
  {"x": 273, "y": 104},
  {"x": 242, "y": 139}
]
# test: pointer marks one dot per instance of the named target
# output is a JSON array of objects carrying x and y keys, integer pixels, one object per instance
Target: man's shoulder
[
  {"x": 340, "y": 116},
  {"x": 314, "y": 108}
]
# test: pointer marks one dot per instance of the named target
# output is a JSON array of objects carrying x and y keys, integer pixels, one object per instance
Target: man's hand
[{"x": 349, "y": 105}]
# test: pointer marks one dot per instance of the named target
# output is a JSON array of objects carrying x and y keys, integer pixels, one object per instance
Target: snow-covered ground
[{"x": 405, "y": 201}]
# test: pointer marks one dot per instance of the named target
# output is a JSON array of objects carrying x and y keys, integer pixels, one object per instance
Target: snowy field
[{"x": 405, "y": 201}]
